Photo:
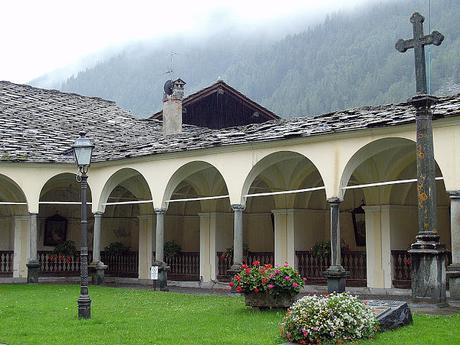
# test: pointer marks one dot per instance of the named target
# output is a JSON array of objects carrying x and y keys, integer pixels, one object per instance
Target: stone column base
[
  {"x": 428, "y": 274},
  {"x": 336, "y": 278},
  {"x": 33, "y": 268},
  {"x": 453, "y": 275},
  {"x": 97, "y": 270},
  {"x": 163, "y": 269}
]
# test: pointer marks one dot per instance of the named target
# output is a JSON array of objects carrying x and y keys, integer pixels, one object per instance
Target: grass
[{"x": 46, "y": 314}]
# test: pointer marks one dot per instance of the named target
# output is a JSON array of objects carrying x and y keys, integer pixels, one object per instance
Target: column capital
[
  {"x": 454, "y": 194},
  {"x": 160, "y": 211},
  {"x": 238, "y": 207},
  {"x": 334, "y": 200}
]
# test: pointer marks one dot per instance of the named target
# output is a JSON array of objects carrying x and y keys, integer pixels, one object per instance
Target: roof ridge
[{"x": 55, "y": 91}]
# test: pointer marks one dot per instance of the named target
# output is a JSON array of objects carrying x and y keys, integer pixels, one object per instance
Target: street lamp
[{"x": 83, "y": 149}]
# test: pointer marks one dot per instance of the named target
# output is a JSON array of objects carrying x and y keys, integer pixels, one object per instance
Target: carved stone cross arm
[{"x": 418, "y": 43}]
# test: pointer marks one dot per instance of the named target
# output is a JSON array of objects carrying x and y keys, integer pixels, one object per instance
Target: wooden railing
[
  {"x": 6, "y": 262},
  {"x": 59, "y": 265},
  {"x": 124, "y": 265},
  {"x": 184, "y": 266},
  {"x": 225, "y": 261},
  {"x": 402, "y": 262},
  {"x": 311, "y": 267}
]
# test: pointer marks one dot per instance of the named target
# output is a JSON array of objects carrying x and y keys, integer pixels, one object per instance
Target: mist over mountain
[{"x": 347, "y": 60}]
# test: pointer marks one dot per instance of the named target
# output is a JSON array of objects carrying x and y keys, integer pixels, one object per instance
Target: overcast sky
[{"x": 39, "y": 36}]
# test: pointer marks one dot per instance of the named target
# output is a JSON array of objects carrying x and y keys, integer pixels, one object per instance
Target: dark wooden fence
[
  {"x": 125, "y": 265},
  {"x": 6, "y": 262},
  {"x": 225, "y": 260},
  {"x": 184, "y": 266},
  {"x": 121, "y": 265},
  {"x": 402, "y": 267},
  {"x": 59, "y": 265},
  {"x": 311, "y": 267}
]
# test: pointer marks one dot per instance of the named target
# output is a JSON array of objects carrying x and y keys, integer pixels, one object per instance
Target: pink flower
[
  {"x": 294, "y": 285},
  {"x": 271, "y": 286},
  {"x": 277, "y": 271},
  {"x": 287, "y": 278},
  {"x": 286, "y": 264}
]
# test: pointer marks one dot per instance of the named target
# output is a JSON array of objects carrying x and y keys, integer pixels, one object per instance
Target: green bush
[
  {"x": 171, "y": 248},
  {"x": 335, "y": 318},
  {"x": 116, "y": 248},
  {"x": 66, "y": 248}
]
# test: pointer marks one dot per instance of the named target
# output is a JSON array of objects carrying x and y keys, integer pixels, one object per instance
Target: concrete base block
[
  {"x": 33, "y": 268},
  {"x": 428, "y": 276},
  {"x": 336, "y": 279},
  {"x": 97, "y": 270},
  {"x": 453, "y": 275}
]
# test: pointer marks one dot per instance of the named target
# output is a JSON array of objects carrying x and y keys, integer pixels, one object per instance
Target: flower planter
[{"x": 267, "y": 301}]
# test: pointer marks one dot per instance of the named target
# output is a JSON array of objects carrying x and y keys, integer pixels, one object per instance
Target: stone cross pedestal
[{"x": 428, "y": 255}]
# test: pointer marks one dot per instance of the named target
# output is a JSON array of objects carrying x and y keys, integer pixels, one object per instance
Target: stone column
[
  {"x": 159, "y": 250},
  {"x": 97, "y": 266},
  {"x": 284, "y": 236},
  {"x": 335, "y": 274},
  {"x": 145, "y": 245},
  {"x": 378, "y": 251},
  {"x": 208, "y": 256},
  {"x": 428, "y": 254},
  {"x": 237, "y": 237},
  {"x": 453, "y": 271},
  {"x": 33, "y": 266},
  {"x": 21, "y": 247}
]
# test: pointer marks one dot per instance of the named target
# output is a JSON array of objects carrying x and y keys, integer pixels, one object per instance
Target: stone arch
[
  {"x": 368, "y": 151},
  {"x": 65, "y": 182},
  {"x": 125, "y": 176},
  {"x": 10, "y": 191},
  {"x": 272, "y": 160},
  {"x": 188, "y": 170}
]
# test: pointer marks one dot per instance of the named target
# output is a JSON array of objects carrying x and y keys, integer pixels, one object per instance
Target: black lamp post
[{"x": 83, "y": 149}]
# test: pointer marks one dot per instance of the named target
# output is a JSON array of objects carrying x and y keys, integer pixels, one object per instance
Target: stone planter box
[{"x": 268, "y": 301}]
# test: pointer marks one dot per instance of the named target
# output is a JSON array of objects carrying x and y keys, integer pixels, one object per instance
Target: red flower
[
  {"x": 294, "y": 285},
  {"x": 268, "y": 266},
  {"x": 239, "y": 289},
  {"x": 256, "y": 290},
  {"x": 237, "y": 278},
  {"x": 264, "y": 281},
  {"x": 256, "y": 263},
  {"x": 231, "y": 284},
  {"x": 243, "y": 266},
  {"x": 248, "y": 270}
]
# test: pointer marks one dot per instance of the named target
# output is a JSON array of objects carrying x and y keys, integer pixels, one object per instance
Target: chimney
[{"x": 172, "y": 106}]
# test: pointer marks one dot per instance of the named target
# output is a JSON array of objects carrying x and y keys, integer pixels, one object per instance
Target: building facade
[{"x": 192, "y": 187}]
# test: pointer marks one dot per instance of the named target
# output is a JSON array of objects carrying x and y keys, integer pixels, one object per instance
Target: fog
[{"x": 45, "y": 36}]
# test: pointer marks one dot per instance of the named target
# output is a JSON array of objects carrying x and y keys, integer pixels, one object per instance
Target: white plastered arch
[
  {"x": 184, "y": 172},
  {"x": 117, "y": 178},
  {"x": 270, "y": 160}
]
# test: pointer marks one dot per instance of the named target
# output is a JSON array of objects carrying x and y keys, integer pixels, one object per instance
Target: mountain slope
[{"x": 348, "y": 60}]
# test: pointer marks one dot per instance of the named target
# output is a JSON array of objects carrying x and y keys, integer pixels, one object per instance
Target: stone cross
[{"x": 418, "y": 43}]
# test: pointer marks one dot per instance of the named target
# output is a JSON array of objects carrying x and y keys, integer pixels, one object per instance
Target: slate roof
[{"x": 38, "y": 125}]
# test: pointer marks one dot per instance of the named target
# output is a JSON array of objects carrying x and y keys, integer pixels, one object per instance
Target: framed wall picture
[{"x": 55, "y": 230}]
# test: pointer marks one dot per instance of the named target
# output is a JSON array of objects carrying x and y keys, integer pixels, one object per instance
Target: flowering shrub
[
  {"x": 333, "y": 318},
  {"x": 266, "y": 278}
]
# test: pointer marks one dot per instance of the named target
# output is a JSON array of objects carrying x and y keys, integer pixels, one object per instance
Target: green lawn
[{"x": 46, "y": 314}]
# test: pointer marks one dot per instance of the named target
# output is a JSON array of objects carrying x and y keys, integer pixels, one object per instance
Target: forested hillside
[{"x": 346, "y": 61}]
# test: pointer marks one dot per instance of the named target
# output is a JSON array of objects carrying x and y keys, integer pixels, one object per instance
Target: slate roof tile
[{"x": 38, "y": 125}]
